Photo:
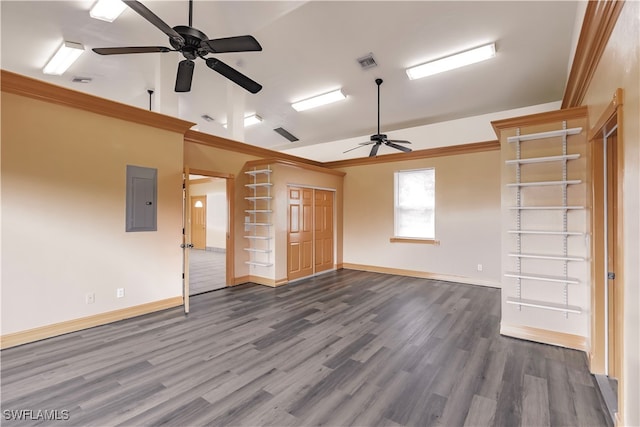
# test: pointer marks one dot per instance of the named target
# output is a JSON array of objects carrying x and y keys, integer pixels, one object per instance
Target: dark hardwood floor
[{"x": 344, "y": 348}]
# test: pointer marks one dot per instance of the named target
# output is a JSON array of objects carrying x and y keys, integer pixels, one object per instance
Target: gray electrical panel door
[{"x": 142, "y": 195}]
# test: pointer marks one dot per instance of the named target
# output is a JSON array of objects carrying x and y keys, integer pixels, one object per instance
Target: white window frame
[{"x": 397, "y": 209}]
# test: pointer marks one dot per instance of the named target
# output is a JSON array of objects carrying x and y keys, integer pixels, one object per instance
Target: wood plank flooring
[{"x": 344, "y": 348}]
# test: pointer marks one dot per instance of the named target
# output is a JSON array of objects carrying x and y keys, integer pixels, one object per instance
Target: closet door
[
  {"x": 323, "y": 214},
  {"x": 300, "y": 235}
]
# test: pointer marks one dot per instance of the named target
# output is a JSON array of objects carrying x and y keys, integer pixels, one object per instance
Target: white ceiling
[{"x": 311, "y": 48}]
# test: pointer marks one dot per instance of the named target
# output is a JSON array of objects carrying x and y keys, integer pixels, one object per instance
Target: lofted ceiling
[{"x": 310, "y": 48}]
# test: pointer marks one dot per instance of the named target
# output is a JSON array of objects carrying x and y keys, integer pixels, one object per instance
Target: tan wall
[
  {"x": 63, "y": 214},
  {"x": 619, "y": 68},
  {"x": 467, "y": 218}
]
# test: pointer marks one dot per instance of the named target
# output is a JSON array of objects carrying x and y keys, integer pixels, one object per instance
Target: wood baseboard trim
[
  {"x": 264, "y": 281},
  {"x": 49, "y": 331},
  {"x": 421, "y": 275},
  {"x": 545, "y": 336}
]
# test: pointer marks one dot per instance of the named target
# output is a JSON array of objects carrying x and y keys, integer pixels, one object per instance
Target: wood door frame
[
  {"x": 610, "y": 119},
  {"x": 313, "y": 230},
  {"x": 230, "y": 238}
]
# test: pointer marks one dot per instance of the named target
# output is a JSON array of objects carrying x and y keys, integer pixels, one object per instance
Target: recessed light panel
[{"x": 451, "y": 62}]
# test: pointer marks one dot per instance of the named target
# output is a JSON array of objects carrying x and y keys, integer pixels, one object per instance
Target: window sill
[{"x": 414, "y": 240}]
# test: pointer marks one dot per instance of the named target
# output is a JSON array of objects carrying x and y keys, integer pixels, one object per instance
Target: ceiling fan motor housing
[{"x": 193, "y": 39}]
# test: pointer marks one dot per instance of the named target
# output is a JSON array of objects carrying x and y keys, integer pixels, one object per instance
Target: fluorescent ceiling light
[
  {"x": 319, "y": 100},
  {"x": 107, "y": 10},
  {"x": 64, "y": 57},
  {"x": 451, "y": 62},
  {"x": 249, "y": 120}
]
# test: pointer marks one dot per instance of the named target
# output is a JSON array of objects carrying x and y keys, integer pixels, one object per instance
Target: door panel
[
  {"x": 323, "y": 230},
  {"x": 300, "y": 233}
]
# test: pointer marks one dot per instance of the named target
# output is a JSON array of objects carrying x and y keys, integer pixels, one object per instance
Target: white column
[
  {"x": 235, "y": 111},
  {"x": 165, "y": 99}
]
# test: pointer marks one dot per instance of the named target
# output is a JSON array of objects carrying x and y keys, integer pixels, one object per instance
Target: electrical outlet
[
  {"x": 479, "y": 267},
  {"x": 120, "y": 293},
  {"x": 90, "y": 298}
]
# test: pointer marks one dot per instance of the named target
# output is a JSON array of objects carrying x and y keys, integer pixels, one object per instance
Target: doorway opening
[
  {"x": 208, "y": 225},
  {"x": 607, "y": 291}
]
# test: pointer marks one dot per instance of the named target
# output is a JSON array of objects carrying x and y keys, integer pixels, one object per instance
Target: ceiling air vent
[
  {"x": 284, "y": 133},
  {"x": 78, "y": 79},
  {"x": 207, "y": 117},
  {"x": 367, "y": 61}
]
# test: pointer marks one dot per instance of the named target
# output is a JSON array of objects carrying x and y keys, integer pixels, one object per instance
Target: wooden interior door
[
  {"x": 615, "y": 340},
  {"x": 186, "y": 238},
  {"x": 300, "y": 233},
  {"x": 199, "y": 221},
  {"x": 323, "y": 239}
]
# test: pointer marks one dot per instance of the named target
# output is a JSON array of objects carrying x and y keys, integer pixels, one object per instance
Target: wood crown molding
[
  {"x": 49, "y": 331},
  {"x": 539, "y": 119},
  {"x": 240, "y": 147},
  {"x": 599, "y": 20},
  {"x": 452, "y": 150},
  {"x": 545, "y": 336},
  {"x": 293, "y": 163},
  {"x": 37, "y": 89}
]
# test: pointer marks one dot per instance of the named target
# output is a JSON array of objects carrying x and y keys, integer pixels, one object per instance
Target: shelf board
[
  {"x": 545, "y": 208},
  {"x": 544, "y": 183},
  {"x": 550, "y": 257},
  {"x": 259, "y": 264},
  {"x": 544, "y": 135},
  {"x": 258, "y": 237},
  {"x": 259, "y": 184},
  {"x": 262, "y": 251},
  {"x": 254, "y": 198},
  {"x": 542, "y": 278},
  {"x": 259, "y": 171},
  {"x": 258, "y": 210},
  {"x": 268, "y": 224},
  {"x": 547, "y": 232},
  {"x": 545, "y": 305},
  {"x": 543, "y": 159}
]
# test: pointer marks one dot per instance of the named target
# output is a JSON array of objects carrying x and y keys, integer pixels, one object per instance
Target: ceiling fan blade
[
  {"x": 398, "y": 147},
  {"x": 127, "y": 50},
  {"x": 234, "y": 75},
  {"x": 157, "y": 22},
  {"x": 185, "y": 75},
  {"x": 354, "y": 148},
  {"x": 232, "y": 44},
  {"x": 374, "y": 150},
  {"x": 399, "y": 141}
]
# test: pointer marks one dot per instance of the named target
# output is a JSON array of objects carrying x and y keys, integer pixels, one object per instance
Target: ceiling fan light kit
[
  {"x": 319, "y": 100},
  {"x": 63, "y": 58},
  {"x": 452, "y": 62},
  {"x": 107, "y": 10},
  {"x": 192, "y": 43}
]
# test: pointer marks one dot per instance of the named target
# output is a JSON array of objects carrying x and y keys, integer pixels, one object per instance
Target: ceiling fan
[
  {"x": 192, "y": 43},
  {"x": 379, "y": 138}
]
